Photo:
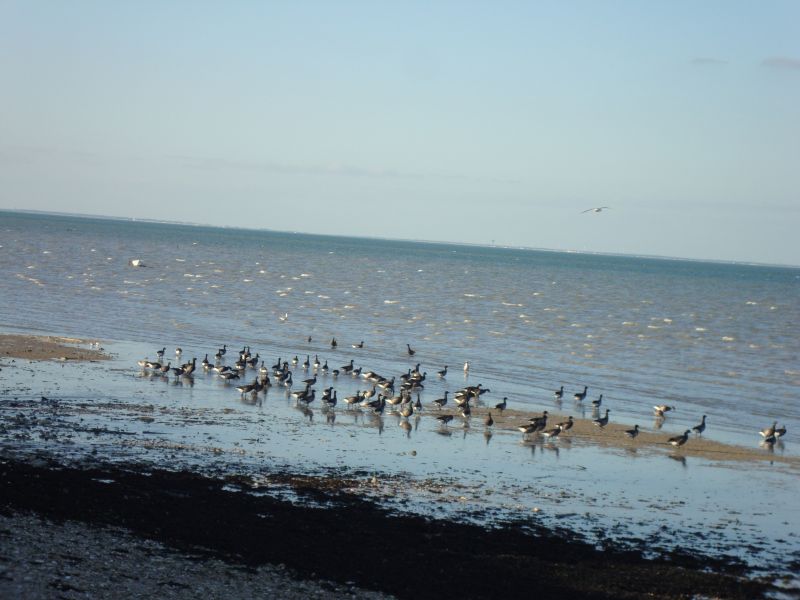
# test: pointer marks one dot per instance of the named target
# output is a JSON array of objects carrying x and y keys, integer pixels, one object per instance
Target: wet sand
[
  {"x": 46, "y": 347},
  {"x": 332, "y": 528},
  {"x": 339, "y": 536}
]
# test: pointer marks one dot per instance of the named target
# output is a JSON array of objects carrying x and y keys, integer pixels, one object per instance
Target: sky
[{"x": 465, "y": 121}]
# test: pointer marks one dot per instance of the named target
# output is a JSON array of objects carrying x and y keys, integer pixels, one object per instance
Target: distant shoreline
[{"x": 189, "y": 224}]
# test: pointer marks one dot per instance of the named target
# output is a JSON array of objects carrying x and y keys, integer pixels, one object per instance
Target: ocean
[{"x": 709, "y": 338}]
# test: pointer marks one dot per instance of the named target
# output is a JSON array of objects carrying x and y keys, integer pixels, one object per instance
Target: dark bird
[
  {"x": 334, "y": 343},
  {"x": 632, "y": 433},
  {"x": 488, "y": 421},
  {"x": 598, "y": 402},
  {"x": 410, "y": 351},
  {"x": 579, "y": 396},
  {"x": 443, "y": 372},
  {"x": 559, "y": 393},
  {"x": 701, "y": 427},
  {"x": 502, "y": 405},
  {"x": 359, "y": 345},
  {"x": 680, "y": 440},
  {"x": 602, "y": 421},
  {"x": 565, "y": 425},
  {"x": 444, "y": 419}
]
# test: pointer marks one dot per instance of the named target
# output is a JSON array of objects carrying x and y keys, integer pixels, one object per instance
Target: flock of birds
[{"x": 396, "y": 393}]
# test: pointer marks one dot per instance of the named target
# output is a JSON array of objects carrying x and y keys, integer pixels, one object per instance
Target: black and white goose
[
  {"x": 565, "y": 425},
  {"x": 410, "y": 351},
  {"x": 440, "y": 402},
  {"x": 359, "y": 345},
  {"x": 221, "y": 352},
  {"x": 598, "y": 401},
  {"x": 632, "y": 433},
  {"x": 680, "y": 440},
  {"x": 443, "y": 372},
  {"x": 501, "y": 406},
  {"x": 558, "y": 394},
  {"x": 160, "y": 353},
  {"x": 602, "y": 421},
  {"x": 579, "y": 396}
]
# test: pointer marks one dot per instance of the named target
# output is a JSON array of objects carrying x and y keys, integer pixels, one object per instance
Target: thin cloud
[
  {"x": 316, "y": 169},
  {"x": 782, "y": 62},
  {"x": 707, "y": 61}
]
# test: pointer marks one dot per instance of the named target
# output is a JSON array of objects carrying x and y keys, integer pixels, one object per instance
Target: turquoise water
[{"x": 709, "y": 338}]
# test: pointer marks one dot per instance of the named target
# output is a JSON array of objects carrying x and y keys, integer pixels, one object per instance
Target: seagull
[
  {"x": 597, "y": 209},
  {"x": 661, "y": 409}
]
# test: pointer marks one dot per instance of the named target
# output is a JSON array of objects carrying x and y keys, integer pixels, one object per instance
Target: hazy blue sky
[{"x": 454, "y": 121}]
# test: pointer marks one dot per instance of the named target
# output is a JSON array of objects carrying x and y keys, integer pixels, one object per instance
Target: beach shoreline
[{"x": 332, "y": 532}]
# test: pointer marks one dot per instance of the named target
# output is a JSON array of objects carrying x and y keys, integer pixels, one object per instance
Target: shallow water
[
  {"x": 113, "y": 411},
  {"x": 713, "y": 339}
]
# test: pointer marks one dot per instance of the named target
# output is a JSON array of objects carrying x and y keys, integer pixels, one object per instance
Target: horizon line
[{"x": 407, "y": 240}]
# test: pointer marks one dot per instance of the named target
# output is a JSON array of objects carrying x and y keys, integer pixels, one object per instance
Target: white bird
[
  {"x": 596, "y": 209},
  {"x": 283, "y": 318},
  {"x": 466, "y": 367}
]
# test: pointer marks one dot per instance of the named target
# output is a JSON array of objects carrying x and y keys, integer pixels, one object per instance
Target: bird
[
  {"x": 160, "y": 353},
  {"x": 348, "y": 368},
  {"x": 602, "y": 421},
  {"x": 244, "y": 389},
  {"x": 701, "y": 427},
  {"x": 565, "y": 425},
  {"x": 501, "y": 406},
  {"x": 443, "y": 372},
  {"x": 221, "y": 352},
  {"x": 552, "y": 433},
  {"x": 632, "y": 433},
  {"x": 444, "y": 419},
  {"x": 359, "y": 345},
  {"x": 559, "y": 393},
  {"x": 780, "y": 431},
  {"x": 488, "y": 421},
  {"x": 680, "y": 440},
  {"x": 178, "y": 351},
  {"x": 334, "y": 343},
  {"x": 769, "y": 432},
  {"x": 410, "y": 351},
  {"x": 284, "y": 317},
  {"x": 598, "y": 402},
  {"x": 440, "y": 402},
  {"x": 596, "y": 209},
  {"x": 466, "y": 367},
  {"x": 661, "y": 409},
  {"x": 579, "y": 396}
]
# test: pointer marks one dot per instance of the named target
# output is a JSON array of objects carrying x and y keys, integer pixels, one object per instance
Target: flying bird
[{"x": 597, "y": 209}]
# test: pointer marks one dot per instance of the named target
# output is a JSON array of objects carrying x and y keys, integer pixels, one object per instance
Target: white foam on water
[{"x": 727, "y": 338}]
